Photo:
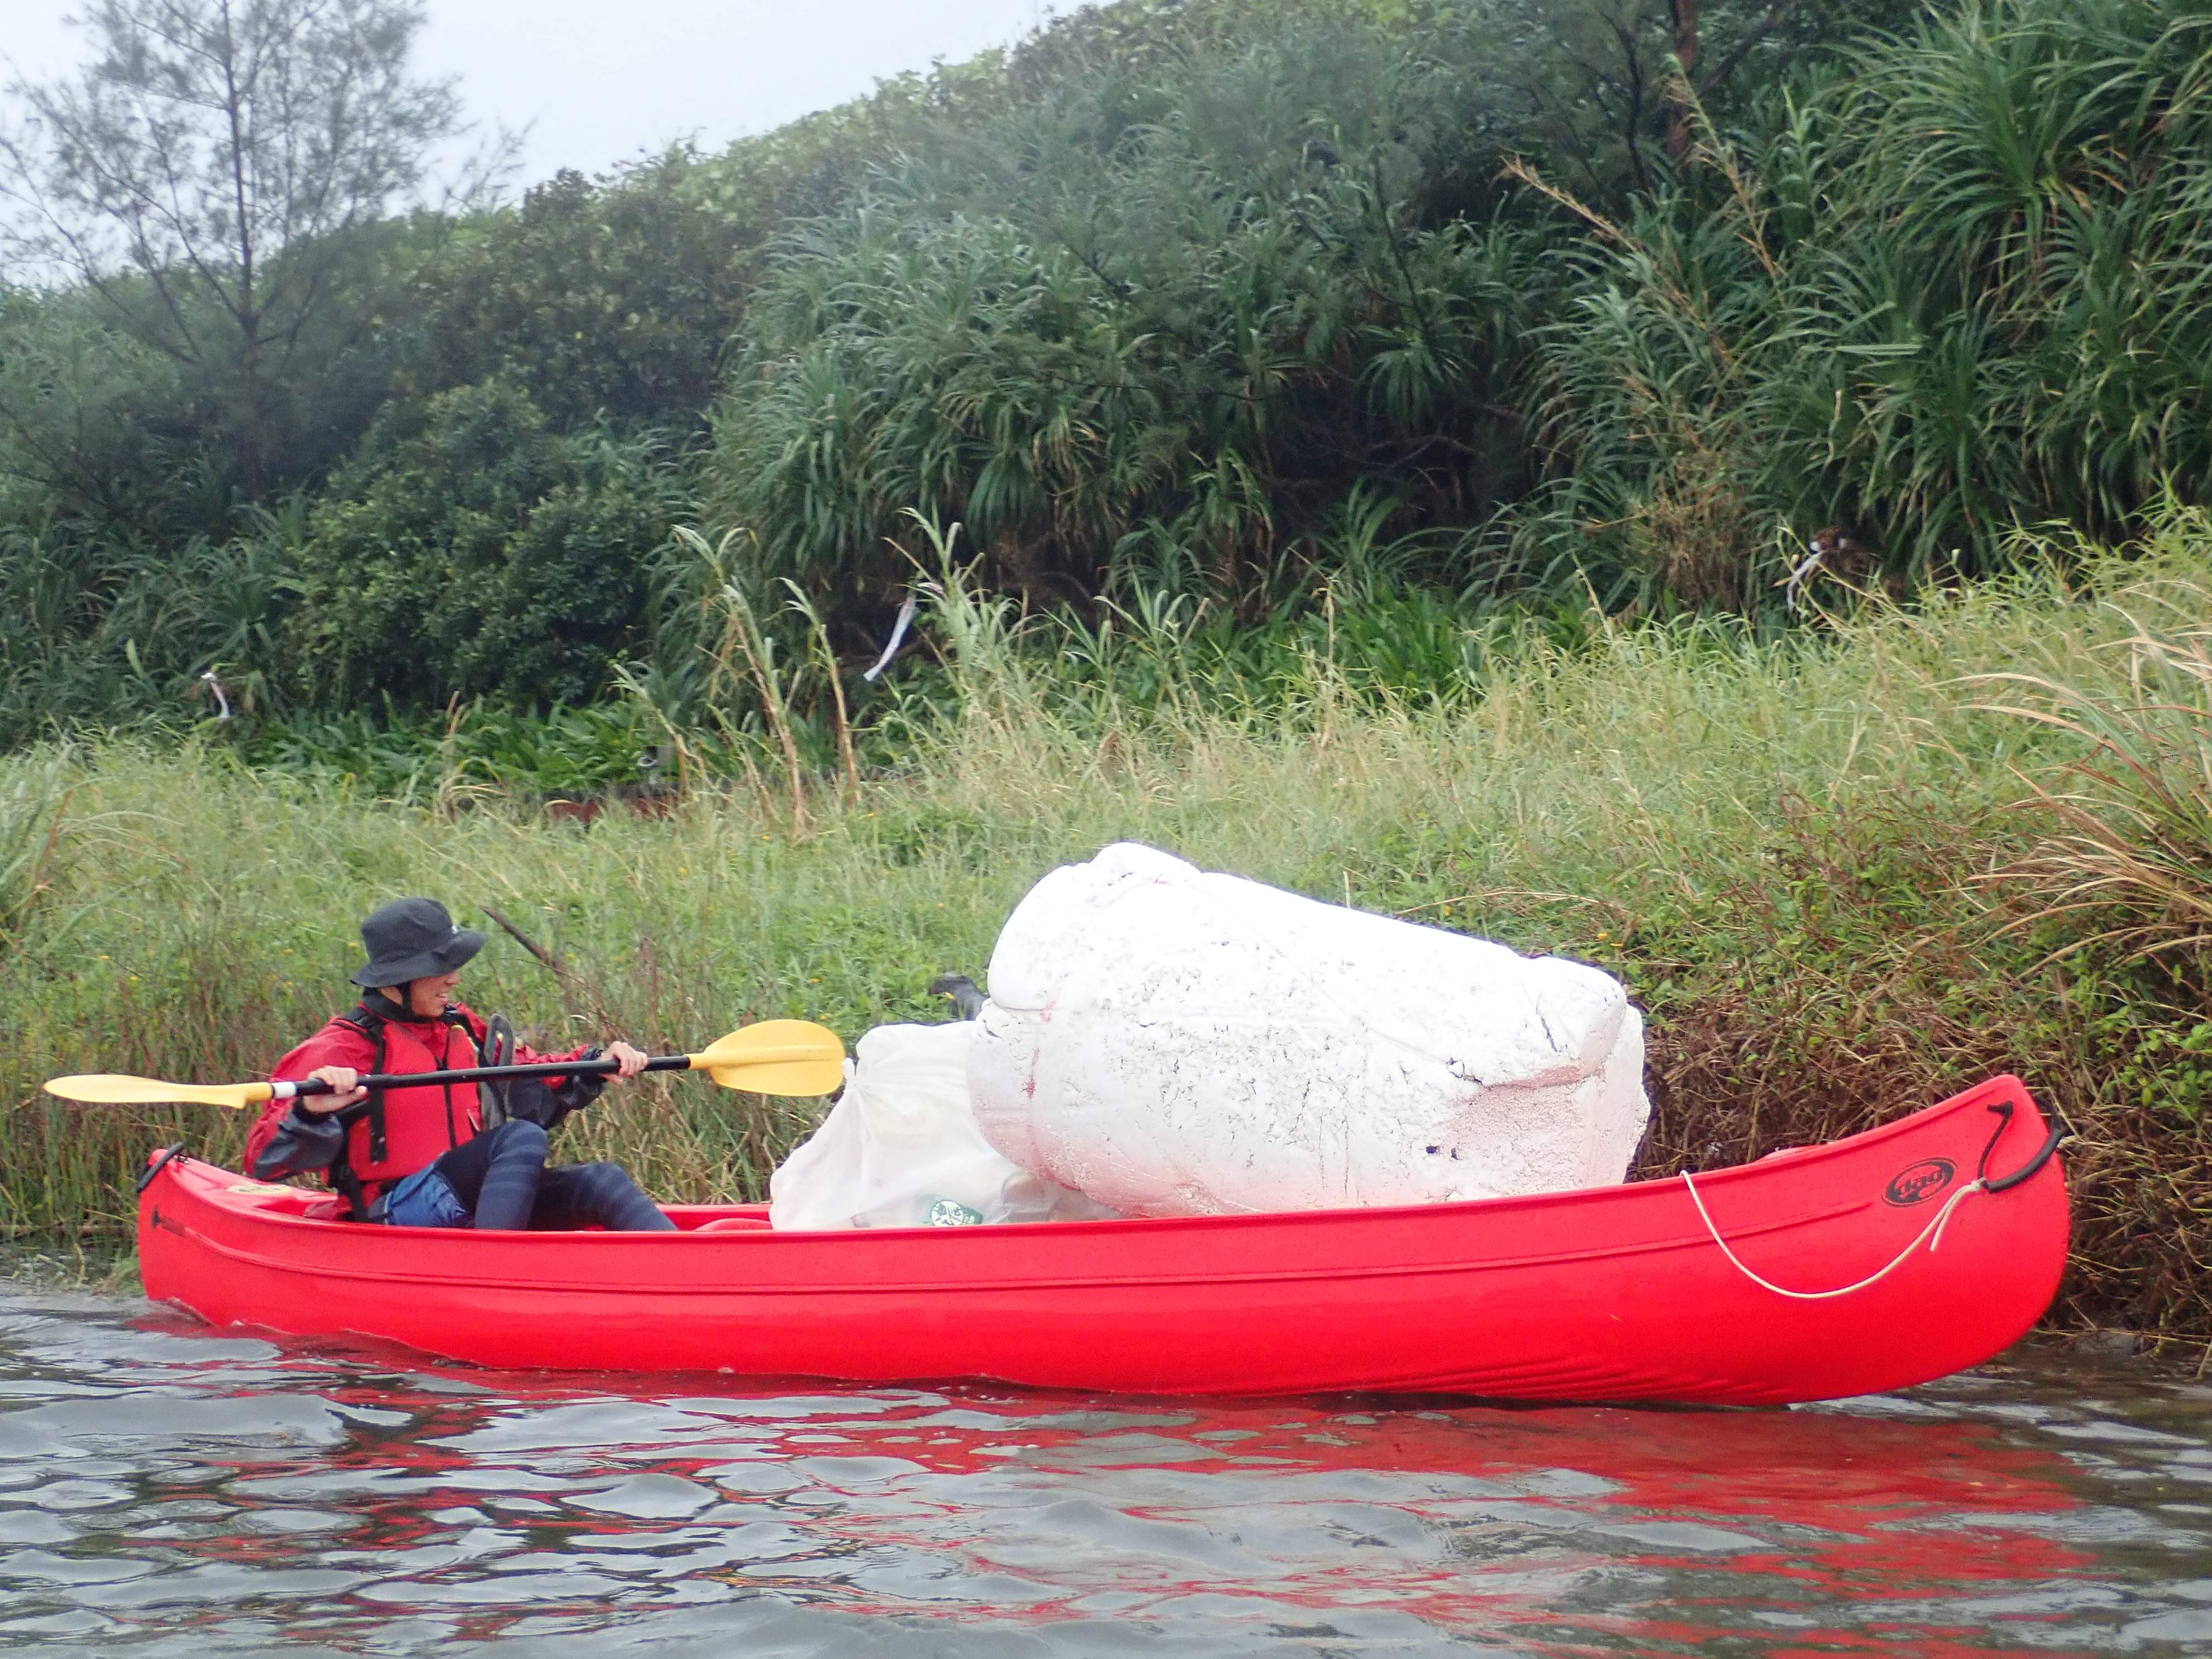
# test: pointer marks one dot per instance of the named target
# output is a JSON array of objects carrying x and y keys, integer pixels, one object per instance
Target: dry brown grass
[{"x": 2130, "y": 851}]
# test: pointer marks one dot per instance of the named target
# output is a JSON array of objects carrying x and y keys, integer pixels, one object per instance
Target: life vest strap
[{"x": 371, "y": 1021}]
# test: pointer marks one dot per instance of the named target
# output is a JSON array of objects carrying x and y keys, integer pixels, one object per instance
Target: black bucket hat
[{"x": 412, "y": 938}]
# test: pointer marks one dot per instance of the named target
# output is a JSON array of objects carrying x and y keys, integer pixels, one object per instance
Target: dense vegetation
[{"x": 1243, "y": 305}]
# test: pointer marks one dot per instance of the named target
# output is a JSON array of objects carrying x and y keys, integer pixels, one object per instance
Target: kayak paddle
[{"x": 774, "y": 1057}]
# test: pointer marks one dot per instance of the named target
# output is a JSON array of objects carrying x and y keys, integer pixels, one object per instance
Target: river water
[{"x": 168, "y": 1489}]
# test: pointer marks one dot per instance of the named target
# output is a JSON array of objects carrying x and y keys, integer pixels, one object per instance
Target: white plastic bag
[
  {"x": 900, "y": 1148},
  {"x": 1171, "y": 1043}
]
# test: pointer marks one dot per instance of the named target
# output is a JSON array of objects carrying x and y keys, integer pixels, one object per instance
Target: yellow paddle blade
[
  {"x": 102, "y": 1089},
  {"x": 776, "y": 1057}
]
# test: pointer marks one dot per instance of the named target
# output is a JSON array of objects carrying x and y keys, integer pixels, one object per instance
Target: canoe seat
[{"x": 734, "y": 1224}]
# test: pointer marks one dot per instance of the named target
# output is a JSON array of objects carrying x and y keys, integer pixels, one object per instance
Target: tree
[
  {"x": 608, "y": 299},
  {"x": 214, "y": 174},
  {"x": 1594, "y": 87},
  {"x": 1683, "y": 17}
]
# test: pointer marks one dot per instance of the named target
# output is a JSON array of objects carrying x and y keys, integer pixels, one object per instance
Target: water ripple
[{"x": 165, "y": 1489}]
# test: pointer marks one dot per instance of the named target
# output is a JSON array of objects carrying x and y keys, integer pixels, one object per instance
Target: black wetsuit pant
[{"x": 500, "y": 1176}]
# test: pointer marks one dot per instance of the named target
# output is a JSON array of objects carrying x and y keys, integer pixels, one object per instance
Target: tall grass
[
  {"x": 34, "y": 812},
  {"x": 2132, "y": 842}
]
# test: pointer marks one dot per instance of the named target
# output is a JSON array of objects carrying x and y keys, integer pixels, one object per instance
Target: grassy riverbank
[{"x": 1823, "y": 864}]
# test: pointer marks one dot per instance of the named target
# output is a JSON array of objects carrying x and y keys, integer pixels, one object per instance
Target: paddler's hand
[
  {"x": 628, "y": 1061},
  {"x": 345, "y": 1089}
]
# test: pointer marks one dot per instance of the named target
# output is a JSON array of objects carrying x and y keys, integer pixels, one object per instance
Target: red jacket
[{"x": 418, "y": 1126}]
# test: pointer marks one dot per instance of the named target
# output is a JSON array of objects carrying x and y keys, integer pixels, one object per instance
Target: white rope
[{"x": 1934, "y": 1227}]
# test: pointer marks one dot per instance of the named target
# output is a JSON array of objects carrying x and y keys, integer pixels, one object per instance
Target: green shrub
[
  {"x": 111, "y": 630},
  {"x": 469, "y": 550},
  {"x": 571, "y": 599},
  {"x": 606, "y": 301},
  {"x": 568, "y": 753},
  {"x": 97, "y": 432}
]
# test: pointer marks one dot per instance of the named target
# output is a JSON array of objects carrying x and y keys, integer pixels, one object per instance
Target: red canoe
[{"x": 1615, "y": 1293}]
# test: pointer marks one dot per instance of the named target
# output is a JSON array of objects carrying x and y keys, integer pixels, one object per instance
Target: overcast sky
[{"x": 600, "y": 80}]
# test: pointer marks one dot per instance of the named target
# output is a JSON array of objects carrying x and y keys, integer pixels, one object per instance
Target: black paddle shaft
[{"x": 488, "y": 1073}]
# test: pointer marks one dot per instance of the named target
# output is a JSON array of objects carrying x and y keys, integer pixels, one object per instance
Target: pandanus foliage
[
  {"x": 1159, "y": 330},
  {"x": 471, "y": 548},
  {"x": 1963, "y": 288}
]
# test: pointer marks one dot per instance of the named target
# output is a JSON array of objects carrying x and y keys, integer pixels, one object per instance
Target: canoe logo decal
[{"x": 1919, "y": 1182}]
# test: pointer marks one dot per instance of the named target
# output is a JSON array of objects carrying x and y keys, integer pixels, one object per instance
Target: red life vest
[
  {"x": 405, "y": 1129},
  {"x": 398, "y": 1131}
]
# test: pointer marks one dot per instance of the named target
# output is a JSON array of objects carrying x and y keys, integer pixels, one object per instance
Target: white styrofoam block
[{"x": 1171, "y": 1043}]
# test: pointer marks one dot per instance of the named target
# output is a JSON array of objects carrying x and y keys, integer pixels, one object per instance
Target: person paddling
[{"x": 434, "y": 1155}]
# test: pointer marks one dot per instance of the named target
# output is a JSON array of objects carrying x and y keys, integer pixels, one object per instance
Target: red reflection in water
[
  {"x": 1886, "y": 1510},
  {"x": 1562, "y": 1531}
]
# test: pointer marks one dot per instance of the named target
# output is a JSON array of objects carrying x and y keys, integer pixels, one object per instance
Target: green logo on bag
[{"x": 946, "y": 1213}]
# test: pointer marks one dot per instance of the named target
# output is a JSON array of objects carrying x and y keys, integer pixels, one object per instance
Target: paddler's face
[{"x": 427, "y": 999}]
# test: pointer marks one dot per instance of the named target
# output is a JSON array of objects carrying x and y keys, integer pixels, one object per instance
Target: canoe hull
[{"x": 1614, "y": 1294}]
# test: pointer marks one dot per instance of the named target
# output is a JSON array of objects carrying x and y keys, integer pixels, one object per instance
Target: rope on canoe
[{"x": 1932, "y": 1235}]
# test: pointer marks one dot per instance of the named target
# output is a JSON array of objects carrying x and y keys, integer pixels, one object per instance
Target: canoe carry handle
[
  {"x": 158, "y": 1163},
  {"x": 2059, "y": 1131}
]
